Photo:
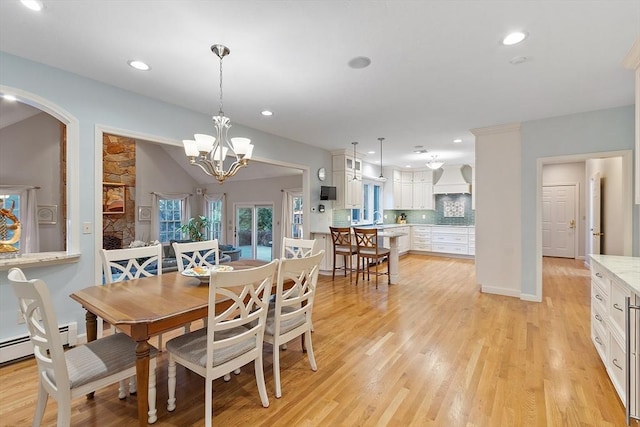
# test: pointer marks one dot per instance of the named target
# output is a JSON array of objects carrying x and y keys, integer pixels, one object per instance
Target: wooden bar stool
[
  {"x": 370, "y": 251},
  {"x": 341, "y": 237}
]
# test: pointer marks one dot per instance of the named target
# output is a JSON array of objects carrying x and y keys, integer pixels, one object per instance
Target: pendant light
[
  {"x": 381, "y": 175},
  {"x": 355, "y": 176}
]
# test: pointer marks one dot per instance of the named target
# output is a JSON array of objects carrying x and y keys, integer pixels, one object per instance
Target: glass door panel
[
  {"x": 244, "y": 231},
  {"x": 254, "y": 231}
]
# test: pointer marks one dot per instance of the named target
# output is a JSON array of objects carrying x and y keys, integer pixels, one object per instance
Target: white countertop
[
  {"x": 391, "y": 226},
  {"x": 624, "y": 267}
]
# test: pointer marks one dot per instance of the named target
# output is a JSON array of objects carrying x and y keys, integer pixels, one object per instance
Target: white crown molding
[{"x": 491, "y": 130}]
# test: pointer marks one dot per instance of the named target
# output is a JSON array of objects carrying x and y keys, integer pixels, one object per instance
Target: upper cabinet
[
  {"x": 410, "y": 190},
  {"x": 632, "y": 62},
  {"x": 347, "y": 178}
]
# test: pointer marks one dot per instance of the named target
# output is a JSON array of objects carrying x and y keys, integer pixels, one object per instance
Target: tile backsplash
[{"x": 437, "y": 216}]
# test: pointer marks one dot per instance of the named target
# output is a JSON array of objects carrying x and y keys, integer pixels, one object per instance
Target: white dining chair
[
  {"x": 298, "y": 248},
  {"x": 290, "y": 316},
  {"x": 197, "y": 254},
  {"x": 67, "y": 375},
  {"x": 233, "y": 337}
]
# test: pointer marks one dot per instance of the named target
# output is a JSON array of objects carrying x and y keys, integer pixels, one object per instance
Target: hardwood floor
[{"x": 429, "y": 351}]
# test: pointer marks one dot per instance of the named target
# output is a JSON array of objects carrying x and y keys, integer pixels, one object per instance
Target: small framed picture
[
  {"x": 47, "y": 214},
  {"x": 144, "y": 213},
  {"x": 112, "y": 198}
]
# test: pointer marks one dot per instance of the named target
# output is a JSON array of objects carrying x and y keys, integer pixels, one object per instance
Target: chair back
[
  {"x": 366, "y": 240},
  {"x": 36, "y": 308},
  {"x": 298, "y": 248},
  {"x": 341, "y": 237},
  {"x": 131, "y": 263},
  {"x": 197, "y": 254},
  {"x": 242, "y": 323},
  {"x": 294, "y": 305}
]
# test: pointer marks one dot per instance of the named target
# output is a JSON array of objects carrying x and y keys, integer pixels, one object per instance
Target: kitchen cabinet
[
  {"x": 615, "y": 290},
  {"x": 421, "y": 238},
  {"x": 404, "y": 242},
  {"x": 325, "y": 242},
  {"x": 423, "y": 190},
  {"x": 453, "y": 240},
  {"x": 347, "y": 178}
]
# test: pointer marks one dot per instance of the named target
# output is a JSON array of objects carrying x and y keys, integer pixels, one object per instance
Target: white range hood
[{"x": 451, "y": 181}]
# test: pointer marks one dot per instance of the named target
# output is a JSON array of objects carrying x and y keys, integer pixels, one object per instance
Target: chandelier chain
[{"x": 221, "y": 112}]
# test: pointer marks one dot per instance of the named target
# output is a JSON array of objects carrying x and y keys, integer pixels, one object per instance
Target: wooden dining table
[{"x": 145, "y": 307}]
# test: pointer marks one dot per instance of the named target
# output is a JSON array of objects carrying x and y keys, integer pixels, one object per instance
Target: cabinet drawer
[
  {"x": 422, "y": 247},
  {"x": 421, "y": 230},
  {"x": 450, "y": 238},
  {"x": 599, "y": 298},
  {"x": 597, "y": 316},
  {"x": 616, "y": 307},
  {"x": 600, "y": 339},
  {"x": 449, "y": 230},
  {"x": 449, "y": 248},
  {"x": 599, "y": 276},
  {"x": 616, "y": 366}
]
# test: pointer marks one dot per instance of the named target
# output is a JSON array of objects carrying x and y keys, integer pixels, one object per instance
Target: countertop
[
  {"x": 391, "y": 226},
  {"x": 624, "y": 267}
]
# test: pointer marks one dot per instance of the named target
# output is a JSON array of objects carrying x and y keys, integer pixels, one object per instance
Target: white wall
[
  {"x": 156, "y": 171},
  {"x": 19, "y": 142},
  {"x": 612, "y": 218},
  {"x": 571, "y": 173},
  {"x": 263, "y": 191},
  {"x": 498, "y": 204}
]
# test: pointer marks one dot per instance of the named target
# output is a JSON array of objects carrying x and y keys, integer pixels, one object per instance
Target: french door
[{"x": 254, "y": 231}]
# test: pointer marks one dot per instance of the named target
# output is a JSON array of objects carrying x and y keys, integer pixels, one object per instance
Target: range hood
[{"x": 451, "y": 181}]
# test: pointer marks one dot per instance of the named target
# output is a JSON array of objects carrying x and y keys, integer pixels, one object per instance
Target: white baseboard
[
  {"x": 530, "y": 297},
  {"x": 500, "y": 291}
]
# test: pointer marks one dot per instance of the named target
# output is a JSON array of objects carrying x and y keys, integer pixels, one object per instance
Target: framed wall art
[
  {"x": 144, "y": 213},
  {"x": 47, "y": 214},
  {"x": 112, "y": 198}
]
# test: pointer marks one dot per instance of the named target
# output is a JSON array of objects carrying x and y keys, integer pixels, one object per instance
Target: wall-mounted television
[{"x": 327, "y": 193}]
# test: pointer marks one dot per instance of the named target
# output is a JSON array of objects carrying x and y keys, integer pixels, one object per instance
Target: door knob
[
  {"x": 572, "y": 223},
  {"x": 598, "y": 234}
]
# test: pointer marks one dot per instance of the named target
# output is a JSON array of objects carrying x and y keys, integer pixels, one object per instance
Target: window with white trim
[{"x": 170, "y": 219}]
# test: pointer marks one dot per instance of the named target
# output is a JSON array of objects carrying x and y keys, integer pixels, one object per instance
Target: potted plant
[{"x": 196, "y": 228}]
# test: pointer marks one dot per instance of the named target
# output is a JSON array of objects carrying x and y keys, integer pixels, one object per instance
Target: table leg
[
  {"x": 394, "y": 258},
  {"x": 91, "y": 323},
  {"x": 142, "y": 374}
]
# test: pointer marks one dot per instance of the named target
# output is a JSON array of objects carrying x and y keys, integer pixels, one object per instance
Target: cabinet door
[
  {"x": 397, "y": 195},
  {"x": 418, "y": 195},
  {"x": 407, "y": 195}
]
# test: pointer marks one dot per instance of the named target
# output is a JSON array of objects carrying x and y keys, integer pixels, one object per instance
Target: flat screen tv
[{"x": 327, "y": 193}]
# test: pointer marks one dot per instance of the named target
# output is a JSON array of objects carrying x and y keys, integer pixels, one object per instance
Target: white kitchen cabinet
[
  {"x": 404, "y": 242},
  {"x": 325, "y": 242},
  {"x": 421, "y": 238},
  {"x": 454, "y": 240},
  {"x": 348, "y": 189},
  {"x": 472, "y": 240},
  {"x": 423, "y": 195},
  {"x": 612, "y": 282}
]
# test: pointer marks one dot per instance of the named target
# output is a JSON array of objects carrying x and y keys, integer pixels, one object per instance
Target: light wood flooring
[{"x": 429, "y": 351}]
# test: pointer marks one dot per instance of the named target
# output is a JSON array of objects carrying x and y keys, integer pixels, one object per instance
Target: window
[
  {"x": 7, "y": 202},
  {"x": 371, "y": 211},
  {"x": 296, "y": 230},
  {"x": 214, "y": 213},
  {"x": 170, "y": 219}
]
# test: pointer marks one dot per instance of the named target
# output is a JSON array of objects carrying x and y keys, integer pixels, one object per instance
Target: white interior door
[
  {"x": 595, "y": 209},
  {"x": 559, "y": 221}
]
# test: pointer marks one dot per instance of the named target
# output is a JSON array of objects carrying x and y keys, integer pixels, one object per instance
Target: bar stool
[
  {"x": 370, "y": 251},
  {"x": 341, "y": 237}
]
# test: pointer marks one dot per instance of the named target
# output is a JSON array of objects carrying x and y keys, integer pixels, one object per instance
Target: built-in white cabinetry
[
  {"x": 411, "y": 190},
  {"x": 616, "y": 341},
  {"x": 423, "y": 190},
  {"x": 325, "y": 242},
  {"x": 347, "y": 178},
  {"x": 421, "y": 238},
  {"x": 404, "y": 242}
]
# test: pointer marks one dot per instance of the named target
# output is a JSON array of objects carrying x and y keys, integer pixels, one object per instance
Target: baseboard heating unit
[{"x": 18, "y": 347}]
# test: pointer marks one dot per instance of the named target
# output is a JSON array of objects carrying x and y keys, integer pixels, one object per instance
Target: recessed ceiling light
[
  {"x": 359, "y": 62},
  {"x": 514, "y": 38},
  {"x": 9, "y": 97},
  {"x": 371, "y": 152},
  {"x": 267, "y": 113},
  {"x": 407, "y": 166},
  {"x": 458, "y": 140},
  {"x": 138, "y": 65},
  {"x": 33, "y": 4}
]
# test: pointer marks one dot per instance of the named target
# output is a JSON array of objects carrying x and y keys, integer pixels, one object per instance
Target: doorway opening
[{"x": 253, "y": 231}]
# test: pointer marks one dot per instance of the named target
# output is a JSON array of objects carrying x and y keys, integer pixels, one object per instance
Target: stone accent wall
[{"x": 119, "y": 166}]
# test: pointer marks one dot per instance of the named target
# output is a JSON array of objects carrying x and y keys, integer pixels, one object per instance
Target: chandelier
[
  {"x": 209, "y": 152},
  {"x": 434, "y": 163}
]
